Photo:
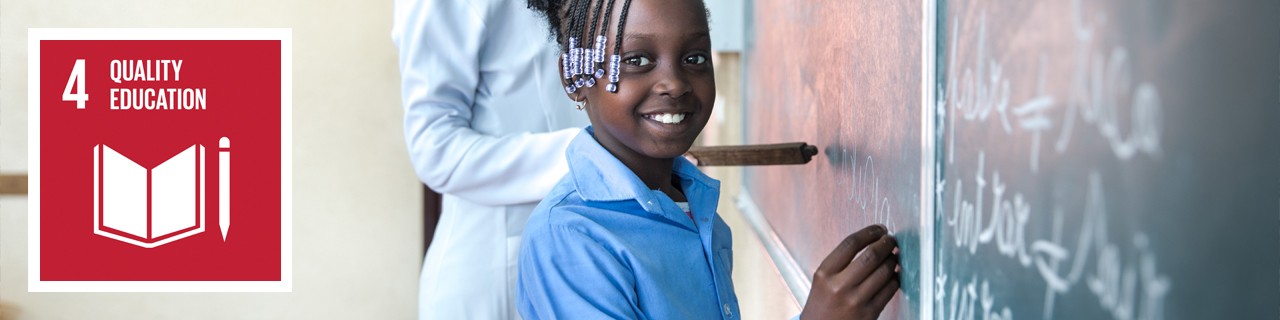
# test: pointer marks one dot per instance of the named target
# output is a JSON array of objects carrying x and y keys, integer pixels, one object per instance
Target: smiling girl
[{"x": 632, "y": 231}]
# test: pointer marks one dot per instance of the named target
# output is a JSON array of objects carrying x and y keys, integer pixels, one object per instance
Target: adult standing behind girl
[{"x": 486, "y": 125}]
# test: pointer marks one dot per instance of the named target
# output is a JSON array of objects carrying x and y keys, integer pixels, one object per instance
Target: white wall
[{"x": 357, "y": 212}]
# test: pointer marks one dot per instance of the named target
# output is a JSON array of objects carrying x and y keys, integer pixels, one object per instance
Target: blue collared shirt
[{"x": 603, "y": 245}]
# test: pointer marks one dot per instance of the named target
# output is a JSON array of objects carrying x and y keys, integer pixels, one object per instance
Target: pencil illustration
[{"x": 224, "y": 186}]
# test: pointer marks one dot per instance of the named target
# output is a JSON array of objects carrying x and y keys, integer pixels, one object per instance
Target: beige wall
[{"x": 357, "y": 237}]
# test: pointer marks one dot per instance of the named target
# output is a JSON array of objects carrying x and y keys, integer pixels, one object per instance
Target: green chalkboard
[{"x": 1108, "y": 159}]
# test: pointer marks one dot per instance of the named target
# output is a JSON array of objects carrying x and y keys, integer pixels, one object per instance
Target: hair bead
[
  {"x": 574, "y": 58},
  {"x": 564, "y": 63},
  {"x": 599, "y": 49},
  {"x": 614, "y": 61}
]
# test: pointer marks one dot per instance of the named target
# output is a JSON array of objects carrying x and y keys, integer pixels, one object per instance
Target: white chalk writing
[
  {"x": 1101, "y": 92},
  {"x": 865, "y": 182},
  {"x": 1134, "y": 291},
  {"x": 1098, "y": 88}
]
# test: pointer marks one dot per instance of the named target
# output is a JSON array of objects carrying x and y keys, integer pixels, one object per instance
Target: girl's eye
[
  {"x": 638, "y": 61},
  {"x": 696, "y": 59}
]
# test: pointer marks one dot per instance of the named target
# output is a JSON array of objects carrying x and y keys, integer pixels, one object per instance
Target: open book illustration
[{"x": 152, "y": 207}]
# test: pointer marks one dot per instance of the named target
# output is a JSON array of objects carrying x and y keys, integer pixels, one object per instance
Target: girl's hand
[{"x": 849, "y": 285}]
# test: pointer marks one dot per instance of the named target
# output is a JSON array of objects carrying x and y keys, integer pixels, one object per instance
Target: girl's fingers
[
  {"x": 886, "y": 293},
  {"x": 843, "y": 253},
  {"x": 869, "y": 259},
  {"x": 878, "y": 279}
]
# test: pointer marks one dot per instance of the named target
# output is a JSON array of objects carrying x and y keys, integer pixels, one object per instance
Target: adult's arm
[{"x": 439, "y": 45}]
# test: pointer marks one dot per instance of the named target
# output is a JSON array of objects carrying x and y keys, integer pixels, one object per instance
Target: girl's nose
[{"x": 673, "y": 82}]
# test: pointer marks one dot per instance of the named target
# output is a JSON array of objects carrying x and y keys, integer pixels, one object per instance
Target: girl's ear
[{"x": 576, "y": 95}]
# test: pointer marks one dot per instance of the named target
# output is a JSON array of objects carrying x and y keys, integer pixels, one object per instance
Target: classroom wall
[{"x": 357, "y": 204}]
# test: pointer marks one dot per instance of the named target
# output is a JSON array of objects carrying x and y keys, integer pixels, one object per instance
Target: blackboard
[
  {"x": 844, "y": 76},
  {"x": 1052, "y": 159},
  {"x": 1108, "y": 159}
]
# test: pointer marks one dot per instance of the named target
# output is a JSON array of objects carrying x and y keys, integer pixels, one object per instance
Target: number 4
[{"x": 77, "y": 79}]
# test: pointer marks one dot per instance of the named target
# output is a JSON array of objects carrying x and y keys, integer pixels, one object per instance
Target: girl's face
[{"x": 667, "y": 84}]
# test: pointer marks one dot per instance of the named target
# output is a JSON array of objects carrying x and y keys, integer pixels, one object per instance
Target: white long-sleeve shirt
[{"x": 486, "y": 125}]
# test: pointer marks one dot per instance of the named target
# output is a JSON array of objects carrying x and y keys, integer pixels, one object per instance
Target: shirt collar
[{"x": 599, "y": 176}]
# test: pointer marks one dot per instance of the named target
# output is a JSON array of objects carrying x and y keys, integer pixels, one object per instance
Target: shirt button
[{"x": 728, "y": 313}]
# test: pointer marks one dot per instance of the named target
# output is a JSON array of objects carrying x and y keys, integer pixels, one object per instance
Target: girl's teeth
[{"x": 668, "y": 118}]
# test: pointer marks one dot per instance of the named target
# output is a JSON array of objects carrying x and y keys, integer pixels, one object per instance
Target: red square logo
[{"x": 159, "y": 160}]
